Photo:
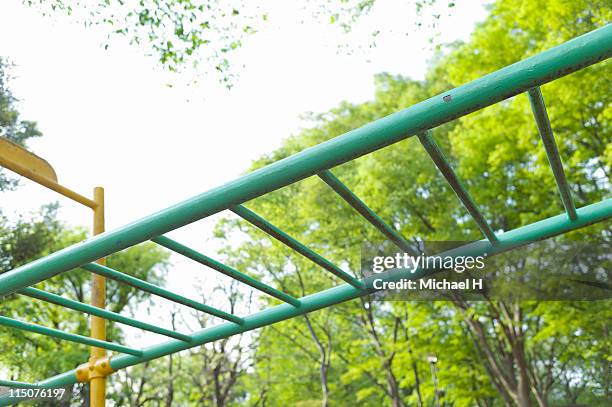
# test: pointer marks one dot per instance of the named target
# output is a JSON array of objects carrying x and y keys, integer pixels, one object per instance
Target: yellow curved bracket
[
  {"x": 14, "y": 157},
  {"x": 19, "y": 160}
]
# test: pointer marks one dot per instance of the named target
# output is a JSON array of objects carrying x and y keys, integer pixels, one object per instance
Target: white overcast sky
[{"x": 109, "y": 118}]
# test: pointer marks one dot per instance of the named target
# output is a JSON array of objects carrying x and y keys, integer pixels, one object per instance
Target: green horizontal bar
[
  {"x": 514, "y": 79},
  {"x": 55, "y": 333},
  {"x": 507, "y": 241},
  {"x": 447, "y": 171},
  {"x": 345, "y": 193},
  {"x": 63, "y": 379},
  {"x": 153, "y": 289},
  {"x": 18, "y": 385},
  {"x": 284, "y": 238},
  {"x": 100, "y": 312},
  {"x": 554, "y": 159},
  {"x": 224, "y": 269}
]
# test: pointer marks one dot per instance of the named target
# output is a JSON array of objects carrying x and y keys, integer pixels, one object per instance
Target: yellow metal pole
[
  {"x": 17, "y": 159},
  {"x": 26, "y": 172},
  {"x": 97, "y": 382}
]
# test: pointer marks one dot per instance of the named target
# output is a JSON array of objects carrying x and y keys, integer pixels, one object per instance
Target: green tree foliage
[
  {"x": 12, "y": 126},
  {"x": 188, "y": 32},
  {"x": 489, "y": 353},
  {"x": 210, "y": 375}
]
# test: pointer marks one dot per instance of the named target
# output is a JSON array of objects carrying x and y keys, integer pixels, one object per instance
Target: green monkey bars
[{"x": 419, "y": 119}]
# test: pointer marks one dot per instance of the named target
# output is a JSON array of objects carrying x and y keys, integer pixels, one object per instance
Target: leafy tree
[
  {"x": 206, "y": 376},
  {"x": 489, "y": 353},
  {"x": 12, "y": 126}
]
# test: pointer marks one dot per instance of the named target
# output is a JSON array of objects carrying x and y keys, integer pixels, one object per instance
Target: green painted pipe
[
  {"x": 100, "y": 312},
  {"x": 61, "y": 380},
  {"x": 544, "y": 67},
  {"x": 224, "y": 269},
  {"x": 284, "y": 238},
  {"x": 345, "y": 193},
  {"x": 18, "y": 385},
  {"x": 554, "y": 159},
  {"x": 56, "y": 333},
  {"x": 447, "y": 171},
  {"x": 153, "y": 289},
  {"x": 507, "y": 241}
]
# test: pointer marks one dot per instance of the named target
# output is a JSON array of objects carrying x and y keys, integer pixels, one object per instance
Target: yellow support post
[
  {"x": 17, "y": 159},
  {"x": 97, "y": 379}
]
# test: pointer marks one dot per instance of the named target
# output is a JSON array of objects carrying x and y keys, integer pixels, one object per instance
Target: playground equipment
[
  {"x": 22, "y": 162},
  {"x": 524, "y": 76}
]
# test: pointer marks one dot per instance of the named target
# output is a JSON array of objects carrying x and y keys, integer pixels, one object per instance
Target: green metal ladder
[{"x": 419, "y": 119}]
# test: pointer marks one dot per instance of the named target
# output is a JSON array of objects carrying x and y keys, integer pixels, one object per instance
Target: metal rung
[
  {"x": 438, "y": 158},
  {"x": 56, "y": 333},
  {"x": 281, "y": 236},
  {"x": 100, "y": 312},
  {"x": 45, "y": 181},
  {"x": 345, "y": 193},
  {"x": 153, "y": 289},
  {"x": 554, "y": 159},
  {"x": 224, "y": 269}
]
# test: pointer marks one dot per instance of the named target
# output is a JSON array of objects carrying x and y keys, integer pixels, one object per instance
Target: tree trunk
[
  {"x": 417, "y": 383},
  {"x": 324, "y": 386},
  {"x": 396, "y": 399},
  {"x": 170, "y": 394},
  {"x": 323, "y": 361}
]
